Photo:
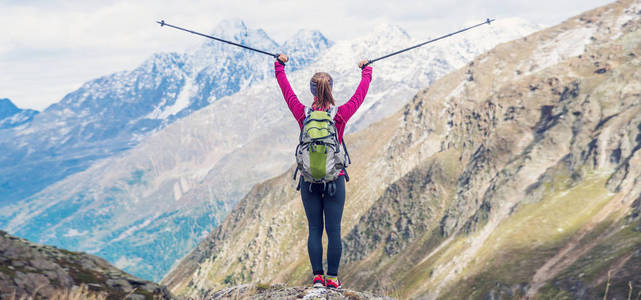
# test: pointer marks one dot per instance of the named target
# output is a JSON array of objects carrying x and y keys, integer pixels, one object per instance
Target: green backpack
[{"x": 318, "y": 154}]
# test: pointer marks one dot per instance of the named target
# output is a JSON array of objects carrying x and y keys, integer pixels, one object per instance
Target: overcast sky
[{"x": 48, "y": 48}]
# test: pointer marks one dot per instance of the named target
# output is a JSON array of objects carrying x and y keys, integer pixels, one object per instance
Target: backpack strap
[
  {"x": 332, "y": 111},
  {"x": 349, "y": 160},
  {"x": 308, "y": 111},
  {"x": 346, "y": 175},
  {"x": 300, "y": 183}
]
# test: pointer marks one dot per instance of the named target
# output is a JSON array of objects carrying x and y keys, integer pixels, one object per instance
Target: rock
[
  {"x": 19, "y": 279},
  {"x": 33, "y": 269},
  {"x": 17, "y": 263},
  {"x": 135, "y": 297},
  {"x": 38, "y": 280},
  {"x": 87, "y": 264},
  {"x": 282, "y": 292},
  {"x": 42, "y": 264},
  {"x": 119, "y": 284},
  {"x": 149, "y": 287}
]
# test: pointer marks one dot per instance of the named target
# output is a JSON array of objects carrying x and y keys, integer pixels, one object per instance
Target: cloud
[{"x": 75, "y": 41}]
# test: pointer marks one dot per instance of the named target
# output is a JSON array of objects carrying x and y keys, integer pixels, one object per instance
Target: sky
[{"x": 49, "y": 48}]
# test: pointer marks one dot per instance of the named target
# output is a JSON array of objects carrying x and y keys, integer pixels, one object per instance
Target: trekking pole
[
  {"x": 488, "y": 21},
  {"x": 162, "y": 23}
]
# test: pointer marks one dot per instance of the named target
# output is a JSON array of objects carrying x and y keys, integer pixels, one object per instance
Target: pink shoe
[
  {"x": 334, "y": 284},
  {"x": 319, "y": 281}
]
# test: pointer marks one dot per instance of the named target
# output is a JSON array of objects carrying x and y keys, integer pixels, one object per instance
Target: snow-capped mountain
[
  {"x": 113, "y": 113},
  {"x": 12, "y": 116},
  {"x": 177, "y": 184}
]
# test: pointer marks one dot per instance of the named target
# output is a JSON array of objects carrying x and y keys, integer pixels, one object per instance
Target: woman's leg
[
  {"x": 333, "y": 207},
  {"x": 313, "y": 203}
]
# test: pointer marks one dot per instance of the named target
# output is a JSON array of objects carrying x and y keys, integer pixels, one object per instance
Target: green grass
[
  {"x": 551, "y": 292},
  {"x": 261, "y": 287},
  {"x": 229, "y": 279},
  {"x": 533, "y": 234},
  {"x": 417, "y": 276},
  {"x": 67, "y": 252},
  {"x": 80, "y": 275},
  {"x": 550, "y": 222},
  {"x": 593, "y": 267}
]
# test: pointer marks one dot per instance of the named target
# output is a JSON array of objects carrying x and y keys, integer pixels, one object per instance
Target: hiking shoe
[
  {"x": 319, "y": 281},
  {"x": 333, "y": 284}
]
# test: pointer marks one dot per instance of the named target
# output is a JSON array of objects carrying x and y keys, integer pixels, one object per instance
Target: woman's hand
[
  {"x": 362, "y": 63},
  {"x": 283, "y": 58}
]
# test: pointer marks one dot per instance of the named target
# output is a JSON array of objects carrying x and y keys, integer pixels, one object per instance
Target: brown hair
[{"x": 323, "y": 95}]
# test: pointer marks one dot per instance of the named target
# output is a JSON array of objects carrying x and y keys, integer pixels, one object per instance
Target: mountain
[
  {"x": 42, "y": 272},
  {"x": 514, "y": 176},
  {"x": 180, "y": 182},
  {"x": 114, "y": 113},
  {"x": 12, "y": 116}
]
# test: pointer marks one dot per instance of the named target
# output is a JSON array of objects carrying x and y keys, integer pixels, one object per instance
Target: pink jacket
[{"x": 345, "y": 111}]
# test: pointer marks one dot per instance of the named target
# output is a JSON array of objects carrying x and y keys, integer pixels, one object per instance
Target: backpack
[{"x": 318, "y": 155}]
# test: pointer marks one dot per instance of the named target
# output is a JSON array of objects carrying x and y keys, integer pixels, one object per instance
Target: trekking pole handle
[
  {"x": 366, "y": 64},
  {"x": 277, "y": 56}
]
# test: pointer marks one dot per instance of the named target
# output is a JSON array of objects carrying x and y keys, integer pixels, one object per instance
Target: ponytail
[{"x": 321, "y": 87}]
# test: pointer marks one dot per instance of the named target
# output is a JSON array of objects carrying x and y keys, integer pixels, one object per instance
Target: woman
[{"x": 317, "y": 202}]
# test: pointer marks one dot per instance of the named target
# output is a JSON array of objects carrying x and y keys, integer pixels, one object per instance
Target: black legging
[{"x": 317, "y": 203}]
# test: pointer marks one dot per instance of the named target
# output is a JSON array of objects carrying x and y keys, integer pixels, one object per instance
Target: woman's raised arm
[
  {"x": 295, "y": 106},
  {"x": 350, "y": 107}
]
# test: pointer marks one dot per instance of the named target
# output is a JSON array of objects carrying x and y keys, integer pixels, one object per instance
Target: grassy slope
[{"x": 529, "y": 238}]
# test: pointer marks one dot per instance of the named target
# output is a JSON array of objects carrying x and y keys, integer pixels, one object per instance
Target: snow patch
[
  {"x": 177, "y": 191},
  {"x": 133, "y": 229},
  {"x": 456, "y": 92},
  {"x": 629, "y": 14},
  {"x": 124, "y": 262},
  {"x": 567, "y": 44},
  {"x": 182, "y": 102},
  {"x": 73, "y": 233}
]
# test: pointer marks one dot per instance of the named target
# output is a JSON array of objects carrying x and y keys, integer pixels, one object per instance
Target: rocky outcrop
[
  {"x": 33, "y": 270},
  {"x": 407, "y": 209},
  {"x": 516, "y": 176},
  {"x": 261, "y": 291}
]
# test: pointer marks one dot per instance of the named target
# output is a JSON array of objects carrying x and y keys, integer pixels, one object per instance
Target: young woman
[{"x": 318, "y": 203}]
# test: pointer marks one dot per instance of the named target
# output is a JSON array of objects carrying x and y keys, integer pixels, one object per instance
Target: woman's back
[{"x": 323, "y": 199}]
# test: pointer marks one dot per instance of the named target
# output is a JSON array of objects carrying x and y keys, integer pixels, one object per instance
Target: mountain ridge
[
  {"x": 12, "y": 116},
  {"x": 113, "y": 113}
]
